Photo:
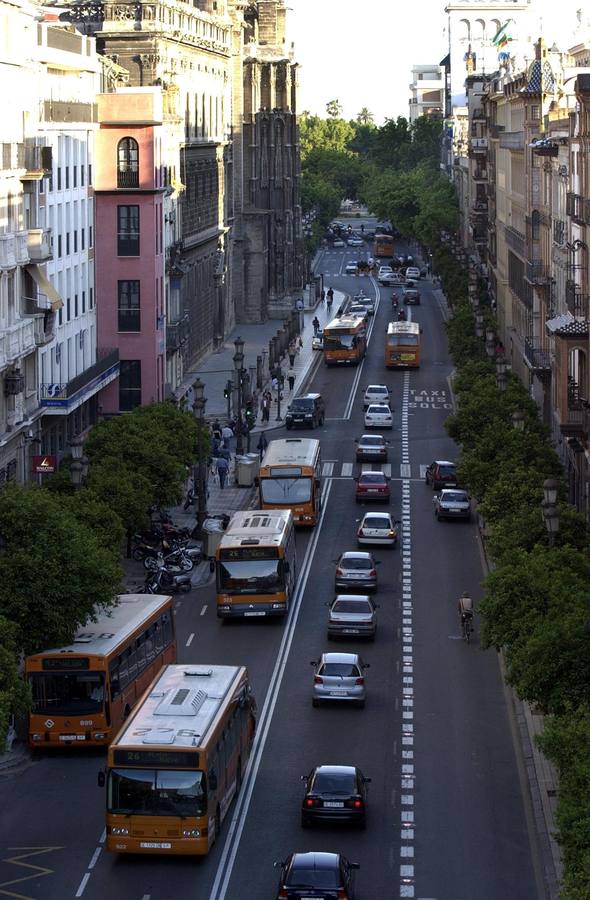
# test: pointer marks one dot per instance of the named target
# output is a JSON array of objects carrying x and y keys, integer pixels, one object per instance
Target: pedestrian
[
  {"x": 226, "y": 434},
  {"x": 222, "y": 470},
  {"x": 265, "y": 407},
  {"x": 275, "y": 384},
  {"x": 262, "y": 444},
  {"x": 216, "y": 429},
  {"x": 215, "y": 445},
  {"x": 323, "y": 295},
  {"x": 316, "y": 325},
  {"x": 292, "y": 352},
  {"x": 291, "y": 380},
  {"x": 300, "y": 342},
  {"x": 330, "y": 295}
]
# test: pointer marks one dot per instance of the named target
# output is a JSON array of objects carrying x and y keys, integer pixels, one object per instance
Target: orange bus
[
  {"x": 290, "y": 477},
  {"x": 345, "y": 341},
  {"x": 383, "y": 247},
  {"x": 256, "y": 564},
  {"x": 178, "y": 761},
  {"x": 402, "y": 345},
  {"x": 83, "y": 692}
]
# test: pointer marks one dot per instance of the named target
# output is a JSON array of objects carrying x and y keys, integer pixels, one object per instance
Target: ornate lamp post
[
  {"x": 490, "y": 343},
  {"x": 200, "y": 482},
  {"x": 501, "y": 373},
  {"x": 77, "y": 472},
  {"x": 479, "y": 325},
  {"x": 518, "y": 420},
  {"x": 549, "y": 508},
  {"x": 238, "y": 359}
]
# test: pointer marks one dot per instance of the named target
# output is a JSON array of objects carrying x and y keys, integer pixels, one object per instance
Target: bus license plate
[
  {"x": 263, "y": 613},
  {"x": 155, "y": 845},
  {"x": 72, "y": 737}
]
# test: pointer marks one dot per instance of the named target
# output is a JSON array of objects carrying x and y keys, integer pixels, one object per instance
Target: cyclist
[{"x": 465, "y": 606}]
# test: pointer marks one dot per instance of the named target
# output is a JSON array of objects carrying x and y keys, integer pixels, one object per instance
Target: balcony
[
  {"x": 495, "y": 130},
  {"x": 38, "y": 162},
  {"x": 577, "y": 302},
  {"x": 128, "y": 178},
  {"x": 44, "y": 326},
  {"x": 512, "y": 140},
  {"x": 480, "y": 205},
  {"x": 537, "y": 272},
  {"x": 16, "y": 341},
  {"x": 545, "y": 147},
  {"x": 39, "y": 244},
  {"x": 64, "y": 397},
  {"x": 479, "y": 115},
  {"x": 480, "y": 175},
  {"x": 514, "y": 239},
  {"x": 478, "y": 145},
  {"x": 7, "y": 251},
  {"x": 575, "y": 207},
  {"x": 537, "y": 357},
  {"x": 177, "y": 334}
]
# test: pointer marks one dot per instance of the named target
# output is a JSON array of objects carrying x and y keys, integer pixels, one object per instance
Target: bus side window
[
  {"x": 123, "y": 671},
  {"x": 131, "y": 663},
  {"x": 114, "y": 678},
  {"x": 167, "y": 629},
  {"x": 159, "y": 637},
  {"x": 150, "y": 653},
  {"x": 140, "y": 654}
]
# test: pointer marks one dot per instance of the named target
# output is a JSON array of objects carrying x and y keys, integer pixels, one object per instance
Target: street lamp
[
  {"x": 199, "y": 480},
  {"x": 479, "y": 325},
  {"x": 518, "y": 420},
  {"x": 76, "y": 467},
  {"x": 549, "y": 508},
  {"x": 239, "y": 367},
  {"x": 501, "y": 373},
  {"x": 490, "y": 343}
]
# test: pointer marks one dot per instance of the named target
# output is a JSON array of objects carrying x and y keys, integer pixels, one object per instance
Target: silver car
[
  {"x": 352, "y": 615},
  {"x": 339, "y": 677},
  {"x": 356, "y": 569},
  {"x": 452, "y": 503}
]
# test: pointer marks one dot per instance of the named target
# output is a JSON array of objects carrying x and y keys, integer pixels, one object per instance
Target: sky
[{"x": 361, "y": 52}]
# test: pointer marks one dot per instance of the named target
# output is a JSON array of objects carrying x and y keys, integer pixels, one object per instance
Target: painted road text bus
[
  {"x": 178, "y": 761},
  {"x": 345, "y": 341},
  {"x": 83, "y": 692},
  {"x": 290, "y": 478},
  {"x": 402, "y": 345},
  {"x": 256, "y": 564}
]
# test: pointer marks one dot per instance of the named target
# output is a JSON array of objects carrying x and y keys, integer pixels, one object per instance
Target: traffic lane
[
  {"x": 467, "y": 777},
  {"x": 301, "y": 737}
]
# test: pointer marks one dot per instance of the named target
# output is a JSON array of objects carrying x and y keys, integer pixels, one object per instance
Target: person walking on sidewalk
[
  {"x": 227, "y": 434},
  {"x": 323, "y": 295},
  {"x": 222, "y": 471},
  {"x": 330, "y": 296},
  {"x": 292, "y": 353},
  {"x": 262, "y": 444},
  {"x": 291, "y": 380},
  {"x": 316, "y": 325},
  {"x": 265, "y": 406}
]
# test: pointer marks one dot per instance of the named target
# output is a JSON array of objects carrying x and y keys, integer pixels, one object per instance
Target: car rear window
[
  {"x": 376, "y": 389},
  {"x": 375, "y": 522},
  {"x": 313, "y": 878},
  {"x": 302, "y": 404},
  {"x": 372, "y": 441},
  {"x": 351, "y": 606},
  {"x": 379, "y": 408},
  {"x": 372, "y": 478},
  {"x": 345, "y": 670},
  {"x": 447, "y": 470},
  {"x": 454, "y": 496},
  {"x": 335, "y": 782},
  {"x": 356, "y": 564}
]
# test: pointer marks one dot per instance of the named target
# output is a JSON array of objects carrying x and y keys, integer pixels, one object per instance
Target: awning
[{"x": 45, "y": 287}]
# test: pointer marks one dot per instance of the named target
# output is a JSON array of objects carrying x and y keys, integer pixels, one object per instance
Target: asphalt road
[{"x": 446, "y": 816}]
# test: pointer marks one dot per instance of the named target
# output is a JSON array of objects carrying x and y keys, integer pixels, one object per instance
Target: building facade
[{"x": 427, "y": 92}]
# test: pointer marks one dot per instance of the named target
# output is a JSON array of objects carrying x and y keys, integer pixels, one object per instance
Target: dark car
[
  {"x": 356, "y": 570},
  {"x": 324, "y": 876},
  {"x": 372, "y": 486},
  {"x": 411, "y": 297},
  {"x": 307, "y": 411},
  {"x": 335, "y": 794},
  {"x": 441, "y": 473}
]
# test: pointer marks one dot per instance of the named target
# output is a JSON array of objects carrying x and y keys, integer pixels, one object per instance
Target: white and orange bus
[
  {"x": 345, "y": 340},
  {"x": 402, "y": 345},
  {"x": 178, "y": 761},
  {"x": 256, "y": 564},
  {"x": 290, "y": 477},
  {"x": 384, "y": 247},
  {"x": 83, "y": 692}
]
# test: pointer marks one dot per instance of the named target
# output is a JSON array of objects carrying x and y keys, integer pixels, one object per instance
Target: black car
[
  {"x": 307, "y": 411},
  {"x": 324, "y": 876},
  {"x": 411, "y": 297},
  {"x": 335, "y": 794}
]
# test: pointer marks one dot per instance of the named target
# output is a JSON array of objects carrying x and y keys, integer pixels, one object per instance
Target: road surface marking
[
  {"x": 327, "y": 469},
  {"x": 94, "y": 859},
  {"x": 346, "y": 469},
  {"x": 190, "y": 639},
  {"x": 83, "y": 884},
  {"x": 204, "y": 610}
]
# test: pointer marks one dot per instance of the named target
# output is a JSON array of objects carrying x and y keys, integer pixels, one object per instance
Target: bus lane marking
[
  {"x": 191, "y": 638},
  {"x": 37, "y": 871},
  {"x": 238, "y": 820},
  {"x": 359, "y": 371}
]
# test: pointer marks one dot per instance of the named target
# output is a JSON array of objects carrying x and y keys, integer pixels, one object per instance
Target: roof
[
  {"x": 315, "y": 860},
  {"x": 567, "y": 326},
  {"x": 343, "y": 322},
  {"x": 180, "y": 707},
  {"x": 254, "y": 526},
  {"x": 403, "y": 328},
  {"x": 333, "y": 657},
  {"x": 539, "y": 78},
  {"x": 114, "y": 626},
  {"x": 292, "y": 452}
]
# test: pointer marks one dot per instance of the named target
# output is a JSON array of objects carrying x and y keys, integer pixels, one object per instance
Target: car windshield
[
  {"x": 251, "y": 576},
  {"x": 67, "y": 693},
  {"x": 285, "y": 490},
  {"x": 454, "y": 496},
  {"x": 357, "y": 563},
  {"x": 301, "y": 404},
  {"x": 375, "y": 522},
  {"x": 313, "y": 878},
  {"x": 335, "y": 341},
  {"x": 351, "y": 606},
  {"x": 335, "y": 782},
  {"x": 344, "y": 670},
  {"x": 146, "y": 792},
  {"x": 371, "y": 478}
]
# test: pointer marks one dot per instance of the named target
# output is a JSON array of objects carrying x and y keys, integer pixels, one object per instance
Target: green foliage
[
  {"x": 316, "y": 134},
  {"x": 54, "y": 570},
  {"x": 14, "y": 693},
  {"x": 334, "y": 109},
  {"x": 365, "y": 117}
]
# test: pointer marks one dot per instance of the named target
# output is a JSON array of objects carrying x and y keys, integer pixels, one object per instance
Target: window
[
  {"x": 75, "y": 175},
  {"x": 75, "y": 305},
  {"x": 90, "y": 236},
  {"x": 129, "y": 311},
  {"x": 89, "y": 173},
  {"x": 128, "y": 230},
  {"x": 83, "y": 301},
  {"x": 67, "y": 243},
  {"x": 59, "y": 178},
  {"x": 83, "y": 238},
  {"x": 91, "y": 299},
  {"x": 128, "y": 163},
  {"x": 59, "y": 245},
  {"x": 82, "y": 175},
  {"x": 129, "y": 384},
  {"x": 67, "y": 177},
  {"x": 68, "y": 309}
]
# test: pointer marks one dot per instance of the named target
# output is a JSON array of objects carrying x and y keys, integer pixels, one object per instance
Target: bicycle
[{"x": 467, "y": 627}]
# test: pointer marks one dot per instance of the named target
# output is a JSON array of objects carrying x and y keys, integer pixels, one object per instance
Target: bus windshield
[
  {"x": 285, "y": 490},
  {"x": 337, "y": 341},
  {"x": 402, "y": 340},
  {"x": 67, "y": 693},
  {"x": 145, "y": 792},
  {"x": 251, "y": 576}
]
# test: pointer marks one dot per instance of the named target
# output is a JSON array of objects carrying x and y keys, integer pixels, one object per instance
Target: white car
[
  {"x": 351, "y": 269},
  {"x": 378, "y": 415},
  {"x": 376, "y": 393},
  {"x": 384, "y": 272},
  {"x": 355, "y": 309},
  {"x": 392, "y": 278},
  {"x": 412, "y": 272},
  {"x": 317, "y": 341},
  {"x": 338, "y": 243},
  {"x": 355, "y": 242},
  {"x": 377, "y": 528}
]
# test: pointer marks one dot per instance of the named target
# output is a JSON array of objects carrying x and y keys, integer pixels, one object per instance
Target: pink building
[{"x": 129, "y": 188}]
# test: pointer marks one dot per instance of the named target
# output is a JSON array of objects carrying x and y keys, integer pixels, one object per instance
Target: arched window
[
  {"x": 127, "y": 163},
  {"x": 464, "y": 30}
]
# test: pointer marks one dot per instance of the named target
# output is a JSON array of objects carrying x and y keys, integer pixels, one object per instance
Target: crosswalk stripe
[
  {"x": 346, "y": 469},
  {"x": 386, "y": 469},
  {"x": 405, "y": 470},
  {"x": 328, "y": 469},
  {"x": 423, "y": 471}
]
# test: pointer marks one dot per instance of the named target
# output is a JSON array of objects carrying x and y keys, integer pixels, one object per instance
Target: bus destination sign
[
  {"x": 177, "y": 759},
  {"x": 249, "y": 552}
]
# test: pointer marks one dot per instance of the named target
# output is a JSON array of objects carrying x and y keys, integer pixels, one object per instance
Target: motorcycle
[
  {"x": 161, "y": 581},
  {"x": 394, "y": 301},
  {"x": 401, "y": 316}
]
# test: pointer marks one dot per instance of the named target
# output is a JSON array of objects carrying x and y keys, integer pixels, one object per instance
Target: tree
[
  {"x": 334, "y": 109},
  {"x": 54, "y": 570},
  {"x": 14, "y": 693},
  {"x": 365, "y": 117}
]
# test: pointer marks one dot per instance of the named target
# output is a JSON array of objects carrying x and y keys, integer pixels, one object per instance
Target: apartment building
[{"x": 427, "y": 91}]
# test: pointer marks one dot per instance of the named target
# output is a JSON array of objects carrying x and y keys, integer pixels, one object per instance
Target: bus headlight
[
  {"x": 119, "y": 829},
  {"x": 191, "y": 833},
  {"x": 36, "y": 737},
  {"x": 99, "y": 736},
  {"x": 278, "y": 605},
  {"x": 224, "y": 607}
]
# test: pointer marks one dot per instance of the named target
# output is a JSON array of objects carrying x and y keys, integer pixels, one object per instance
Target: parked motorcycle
[{"x": 162, "y": 581}]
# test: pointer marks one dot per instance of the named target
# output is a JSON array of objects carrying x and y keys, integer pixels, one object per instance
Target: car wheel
[
  {"x": 305, "y": 823},
  {"x": 360, "y": 704},
  {"x": 287, "y": 426},
  {"x": 363, "y": 823},
  {"x": 315, "y": 702}
]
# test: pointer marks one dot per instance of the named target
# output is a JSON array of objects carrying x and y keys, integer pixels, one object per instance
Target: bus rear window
[{"x": 402, "y": 340}]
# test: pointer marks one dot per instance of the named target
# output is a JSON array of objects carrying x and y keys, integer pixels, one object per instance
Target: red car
[
  {"x": 372, "y": 486},
  {"x": 441, "y": 473}
]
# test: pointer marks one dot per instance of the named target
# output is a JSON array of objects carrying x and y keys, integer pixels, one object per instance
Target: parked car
[
  {"x": 372, "y": 486},
  {"x": 339, "y": 677},
  {"x": 376, "y": 393},
  {"x": 317, "y": 341},
  {"x": 334, "y": 794},
  {"x": 352, "y": 615},
  {"x": 323, "y": 876},
  {"x": 378, "y": 415},
  {"x": 356, "y": 569},
  {"x": 441, "y": 473},
  {"x": 371, "y": 447},
  {"x": 452, "y": 503},
  {"x": 411, "y": 297},
  {"x": 377, "y": 528}
]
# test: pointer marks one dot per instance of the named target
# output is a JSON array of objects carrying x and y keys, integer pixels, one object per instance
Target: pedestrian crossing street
[{"x": 333, "y": 469}]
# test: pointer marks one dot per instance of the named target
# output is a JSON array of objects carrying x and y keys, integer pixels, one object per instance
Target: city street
[{"x": 446, "y": 818}]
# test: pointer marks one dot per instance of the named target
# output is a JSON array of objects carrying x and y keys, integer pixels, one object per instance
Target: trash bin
[
  {"x": 212, "y": 534},
  {"x": 246, "y": 469}
]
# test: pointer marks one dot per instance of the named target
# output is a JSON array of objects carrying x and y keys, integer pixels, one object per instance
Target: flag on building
[{"x": 502, "y": 37}]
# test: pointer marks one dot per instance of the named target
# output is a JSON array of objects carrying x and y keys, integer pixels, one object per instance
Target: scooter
[
  {"x": 401, "y": 316},
  {"x": 161, "y": 580}
]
